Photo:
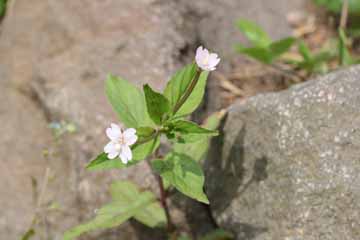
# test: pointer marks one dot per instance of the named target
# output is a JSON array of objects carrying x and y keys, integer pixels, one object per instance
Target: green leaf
[
  {"x": 29, "y": 234},
  {"x": 178, "y": 84},
  {"x": 127, "y": 202},
  {"x": 128, "y": 102},
  {"x": 157, "y": 104},
  {"x": 2, "y": 7},
  {"x": 144, "y": 132},
  {"x": 198, "y": 146},
  {"x": 183, "y": 173},
  {"x": 259, "y": 53},
  {"x": 254, "y": 33},
  {"x": 345, "y": 57},
  {"x": 187, "y": 127},
  {"x": 218, "y": 234},
  {"x": 280, "y": 47},
  {"x": 195, "y": 97},
  {"x": 102, "y": 162},
  {"x": 304, "y": 51},
  {"x": 152, "y": 216},
  {"x": 142, "y": 151},
  {"x": 336, "y": 5}
]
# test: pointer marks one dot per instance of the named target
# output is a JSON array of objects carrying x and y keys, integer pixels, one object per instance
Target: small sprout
[{"x": 60, "y": 128}]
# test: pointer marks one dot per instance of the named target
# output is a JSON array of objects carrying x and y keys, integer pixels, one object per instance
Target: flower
[
  {"x": 205, "y": 60},
  {"x": 120, "y": 142}
]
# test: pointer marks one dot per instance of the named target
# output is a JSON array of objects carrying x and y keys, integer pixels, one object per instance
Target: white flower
[
  {"x": 205, "y": 60},
  {"x": 120, "y": 142}
]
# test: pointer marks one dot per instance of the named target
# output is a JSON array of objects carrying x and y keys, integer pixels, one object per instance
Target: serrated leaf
[
  {"x": 197, "y": 147},
  {"x": 187, "y": 127},
  {"x": 128, "y": 102},
  {"x": 184, "y": 174},
  {"x": 278, "y": 48},
  {"x": 127, "y": 202},
  {"x": 178, "y": 84},
  {"x": 254, "y": 33},
  {"x": 157, "y": 104}
]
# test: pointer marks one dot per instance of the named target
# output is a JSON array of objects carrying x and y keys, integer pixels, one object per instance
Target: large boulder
[{"x": 287, "y": 164}]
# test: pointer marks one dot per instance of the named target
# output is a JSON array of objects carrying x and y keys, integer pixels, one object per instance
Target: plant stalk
[
  {"x": 188, "y": 91},
  {"x": 344, "y": 14},
  {"x": 163, "y": 198}
]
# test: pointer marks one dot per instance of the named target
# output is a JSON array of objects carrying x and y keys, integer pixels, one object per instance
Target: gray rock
[{"x": 287, "y": 165}]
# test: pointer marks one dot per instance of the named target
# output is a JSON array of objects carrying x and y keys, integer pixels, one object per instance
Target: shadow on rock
[
  {"x": 225, "y": 175},
  {"x": 143, "y": 232}
]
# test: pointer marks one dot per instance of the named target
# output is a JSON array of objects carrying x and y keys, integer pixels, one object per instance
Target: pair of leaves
[
  {"x": 184, "y": 173},
  {"x": 160, "y": 106},
  {"x": 189, "y": 131},
  {"x": 127, "y": 202},
  {"x": 179, "y": 84},
  {"x": 197, "y": 145},
  {"x": 312, "y": 63},
  {"x": 263, "y": 49},
  {"x": 143, "y": 110}
]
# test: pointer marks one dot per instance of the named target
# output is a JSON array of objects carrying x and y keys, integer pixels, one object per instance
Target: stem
[
  {"x": 151, "y": 137},
  {"x": 187, "y": 92},
  {"x": 286, "y": 72},
  {"x": 344, "y": 14},
  {"x": 163, "y": 197}
]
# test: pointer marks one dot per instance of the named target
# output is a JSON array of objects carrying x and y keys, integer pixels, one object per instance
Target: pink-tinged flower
[
  {"x": 205, "y": 60},
  {"x": 120, "y": 142}
]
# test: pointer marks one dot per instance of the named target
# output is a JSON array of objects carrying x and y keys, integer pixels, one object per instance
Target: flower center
[
  {"x": 206, "y": 60},
  {"x": 117, "y": 146}
]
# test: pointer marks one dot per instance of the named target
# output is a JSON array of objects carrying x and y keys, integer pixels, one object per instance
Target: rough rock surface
[{"x": 287, "y": 165}]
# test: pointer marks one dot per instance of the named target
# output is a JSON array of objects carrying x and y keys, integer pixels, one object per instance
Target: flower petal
[
  {"x": 125, "y": 154},
  {"x": 112, "y": 155},
  {"x": 199, "y": 50},
  {"x": 130, "y": 136},
  {"x": 110, "y": 147},
  {"x": 114, "y": 132},
  {"x": 213, "y": 60}
]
